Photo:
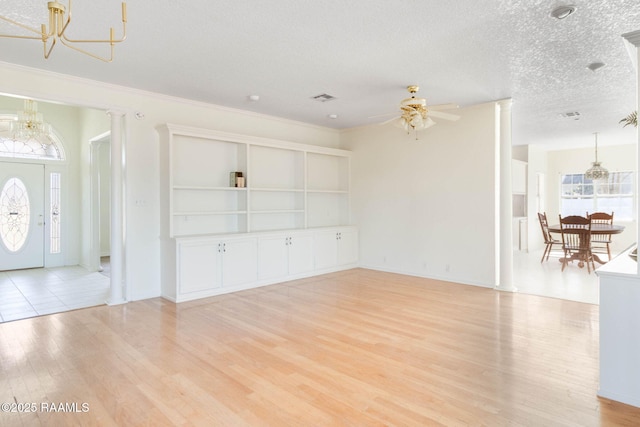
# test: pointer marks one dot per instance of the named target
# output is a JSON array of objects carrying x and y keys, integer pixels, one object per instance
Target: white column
[
  {"x": 505, "y": 279},
  {"x": 116, "y": 296},
  {"x": 632, "y": 41}
]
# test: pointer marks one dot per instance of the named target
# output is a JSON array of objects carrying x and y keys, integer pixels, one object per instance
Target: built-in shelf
[
  {"x": 209, "y": 213},
  {"x": 329, "y": 191},
  {"x": 199, "y": 188},
  {"x": 284, "y": 190},
  {"x": 287, "y": 185}
]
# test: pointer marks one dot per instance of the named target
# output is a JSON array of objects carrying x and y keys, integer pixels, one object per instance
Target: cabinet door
[
  {"x": 326, "y": 249},
  {"x": 239, "y": 261},
  {"x": 272, "y": 257},
  {"x": 300, "y": 253},
  {"x": 518, "y": 177},
  {"x": 198, "y": 266},
  {"x": 347, "y": 247}
]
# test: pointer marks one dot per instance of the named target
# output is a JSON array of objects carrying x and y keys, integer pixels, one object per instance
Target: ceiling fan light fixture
[
  {"x": 414, "y": 102},
  {"x": 562, "y": 12}
]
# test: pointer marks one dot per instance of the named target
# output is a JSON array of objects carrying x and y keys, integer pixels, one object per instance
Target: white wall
[
  {"x": 536, "y": 197},
  {"x": 141, "y": 146},
  {"x": 427, "y": 207}
]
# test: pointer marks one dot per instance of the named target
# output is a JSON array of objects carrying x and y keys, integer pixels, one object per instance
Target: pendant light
[{"x": 596, "y": 171}]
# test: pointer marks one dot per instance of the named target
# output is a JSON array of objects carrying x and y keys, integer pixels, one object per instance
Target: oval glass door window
[{"x": 14, "y": 214}]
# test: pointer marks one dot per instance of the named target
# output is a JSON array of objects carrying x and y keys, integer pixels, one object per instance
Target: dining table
[{"x": 596, "y": 228}]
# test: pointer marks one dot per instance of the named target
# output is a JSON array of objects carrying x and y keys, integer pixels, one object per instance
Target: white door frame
[{"x": 95, "y": 208}]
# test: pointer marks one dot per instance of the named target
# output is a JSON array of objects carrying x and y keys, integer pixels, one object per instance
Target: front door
[{"x": 21, "y": 216}]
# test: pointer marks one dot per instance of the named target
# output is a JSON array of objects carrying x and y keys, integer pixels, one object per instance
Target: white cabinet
[
  {"x": 619, "y": 325},
  {"x": 239, "y": 258},
  {"x": 336, "y": 248},
  {"x": 518, "y": 177},
  {"x": 213, "y": 265},
  {"x": 205, "y": 266},
  {"x": 284, "y": 255},
  {"x": 199, "y": 267}
]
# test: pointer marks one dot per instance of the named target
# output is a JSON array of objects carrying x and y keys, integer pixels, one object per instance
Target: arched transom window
[{"x": 47, "y": 147}]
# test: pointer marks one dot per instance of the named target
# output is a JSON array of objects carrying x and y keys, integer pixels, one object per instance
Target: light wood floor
[{"x": 355, "y": 348}]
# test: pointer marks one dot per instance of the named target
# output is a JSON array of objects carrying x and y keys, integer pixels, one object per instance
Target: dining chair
[
  {"x": 576, "y": 241},
  {"x": 549, "y": 241},
  {"x": 600, "y": 243}
]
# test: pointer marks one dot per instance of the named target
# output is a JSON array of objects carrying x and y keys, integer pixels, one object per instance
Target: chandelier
[
  {"x": 596, "y": 171},
  {"x": 58, "y": 24},
  {"x": 30, "y": 124}
]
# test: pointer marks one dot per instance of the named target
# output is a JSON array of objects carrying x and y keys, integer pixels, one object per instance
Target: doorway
[{"x": 65, "y": 279}]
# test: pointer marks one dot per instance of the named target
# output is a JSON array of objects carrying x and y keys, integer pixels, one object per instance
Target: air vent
[
  {"x": 323, "y": 97},
  {"x": 571, "y": 115}
]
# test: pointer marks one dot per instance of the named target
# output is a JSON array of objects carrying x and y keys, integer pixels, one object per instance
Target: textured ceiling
[{"x": 364, "y": 54}]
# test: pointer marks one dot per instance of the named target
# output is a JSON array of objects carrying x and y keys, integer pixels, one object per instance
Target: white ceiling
[{"x": 364, "y": 54}]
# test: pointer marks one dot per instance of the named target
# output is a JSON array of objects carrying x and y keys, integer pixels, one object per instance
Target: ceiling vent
[
  {"x": 571, "y": 115},
  {"x": 323, "y": 97}
]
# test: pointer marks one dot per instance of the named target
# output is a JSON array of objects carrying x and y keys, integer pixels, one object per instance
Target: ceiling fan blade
[
  {"x": 446, "y": 116},
  {"x": 449, "y": 106},
  {"x": 382, "y": 115},
  {"x": 390, "y": 120}
]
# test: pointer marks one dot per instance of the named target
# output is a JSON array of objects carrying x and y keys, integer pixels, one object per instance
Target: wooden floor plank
[{"x": 353, "y": 348}]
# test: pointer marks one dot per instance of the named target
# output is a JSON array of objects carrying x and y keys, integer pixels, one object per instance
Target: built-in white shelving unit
[
  {"x": 288, "y": 185},
  {"x": 295, "y": 195}
]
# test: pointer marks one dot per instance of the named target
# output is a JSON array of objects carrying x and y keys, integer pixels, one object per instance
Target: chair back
[
  {"x": 601, "y": 218},
  {"x": 544, "y": 225},
  {"x": 576, "y": 233}
]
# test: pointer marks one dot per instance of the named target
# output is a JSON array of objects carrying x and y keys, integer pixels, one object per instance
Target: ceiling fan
[{"x": 416, "y": 115}]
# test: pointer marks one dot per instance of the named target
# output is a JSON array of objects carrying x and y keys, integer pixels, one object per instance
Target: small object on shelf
[
  {"x": 634, "y": 254},
  {"x": 236, "y": 179}
]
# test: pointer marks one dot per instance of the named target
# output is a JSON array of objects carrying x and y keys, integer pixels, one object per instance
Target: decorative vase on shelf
[{"x": 236, "y": 179}]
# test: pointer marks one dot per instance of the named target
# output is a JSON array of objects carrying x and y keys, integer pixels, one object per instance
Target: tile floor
[
  {"x": 546, "y": 279},
  {"x": 38, "y": 291}
]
